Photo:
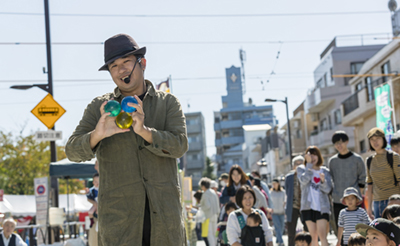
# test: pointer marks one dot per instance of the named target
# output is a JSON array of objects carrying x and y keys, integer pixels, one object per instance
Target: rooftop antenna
[{"x": 242, "y": 55}]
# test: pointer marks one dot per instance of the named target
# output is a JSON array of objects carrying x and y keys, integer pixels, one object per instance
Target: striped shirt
[
  {"x": 348, "y": 219},
  {"x": 380, "y": 176}
]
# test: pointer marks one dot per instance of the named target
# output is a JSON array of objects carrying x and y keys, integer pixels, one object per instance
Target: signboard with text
[{"x": 42, "y": 203}]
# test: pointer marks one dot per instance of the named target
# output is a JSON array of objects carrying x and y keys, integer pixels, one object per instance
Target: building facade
[
  {"x": 359, "y": 109},
  {"x": 323, "y": 102},
  {"x": 194, "y": 160},
  {"x": 229, "y": 122}
]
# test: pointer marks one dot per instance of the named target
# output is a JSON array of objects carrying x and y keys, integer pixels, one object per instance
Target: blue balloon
[{"x": 124, "y": 104}]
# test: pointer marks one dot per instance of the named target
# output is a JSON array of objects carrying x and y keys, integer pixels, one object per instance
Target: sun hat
[
  {"x": 351, "y": 191},
  {"x": 384, "y": 226},
  {"x": 224, "y": 176},
  {"x": 376, "y": 131},
  {"x": 119, "y": 46},
  {"x": 213, "y": 184}
]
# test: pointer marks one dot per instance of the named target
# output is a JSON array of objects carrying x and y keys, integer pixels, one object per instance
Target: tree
[
  {"x": 208, "y": 172},
  {"x": 22, "y": 159}
]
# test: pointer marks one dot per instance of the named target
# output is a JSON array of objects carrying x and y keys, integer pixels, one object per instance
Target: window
[
  {"x": 331, "y": 72},
  {"x": 338, "y": 117},
  {"x": 224, "y": 105},
  {"x": 362, "y": 146},
  {"x": 193, "y": 157},
  {"x": 324, "y": 125},
  {"x": 325, "y": 81},
  {"x": 359, "y": 86},
  {"x": 355, "y": 67},
  {"x": 370, "y": 89},
  {"x": 320, "y": 83},
  {"x": 192, "y": 122},
  {"x": 298, "y": 133},
  {"x": 235, "y": 116},
  {"x": 329, "y": 122},
  {"x": 193, "y": 138},
  {"x": 236, "y": 133},
  {"x": 385, "y": 69}
]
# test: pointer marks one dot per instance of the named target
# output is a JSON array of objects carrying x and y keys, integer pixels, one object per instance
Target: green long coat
[{"x": 131, "y": 167}]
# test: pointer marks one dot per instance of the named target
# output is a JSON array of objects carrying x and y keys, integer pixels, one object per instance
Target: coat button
[
  {"x": 140, "y": 147},
  {"x": 156, "y": 145},
  {"x": 145, "y": 180}
]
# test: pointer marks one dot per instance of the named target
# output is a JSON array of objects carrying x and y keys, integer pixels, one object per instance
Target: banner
[{"x": 384, "y": 111}]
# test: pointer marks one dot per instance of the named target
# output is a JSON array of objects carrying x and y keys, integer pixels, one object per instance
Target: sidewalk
[{"x": 331, "y": 240}]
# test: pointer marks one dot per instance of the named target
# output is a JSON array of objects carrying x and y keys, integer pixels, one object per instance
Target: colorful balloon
[
  {"x": 124, "y": 120},
  {"x": 124, "y": 104},
  {"x": 113, "y": 107}
]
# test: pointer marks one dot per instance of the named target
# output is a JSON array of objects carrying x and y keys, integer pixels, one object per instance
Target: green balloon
[{"x": 113, "y": 107}]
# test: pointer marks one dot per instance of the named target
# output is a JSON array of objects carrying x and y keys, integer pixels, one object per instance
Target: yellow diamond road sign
[{"x": 48, "y": 111}]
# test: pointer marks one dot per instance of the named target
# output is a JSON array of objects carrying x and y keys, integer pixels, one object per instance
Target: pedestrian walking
[
  {"x": 245, "y": 199},
  {"x": 139, "y": 199},
  {"x": 265, "y": 187},
  {"x": 209, "y": 203},
  {"x": 293, "y": 199},
  {"x": 261, "y": 200},
  {"x": 350, "y": 216},
  {"x": 278, "y": 197},
  {"x": 347, "y": 169},
  {"x": 316, "y": 184},
  {"x": 383, "y": 173}
]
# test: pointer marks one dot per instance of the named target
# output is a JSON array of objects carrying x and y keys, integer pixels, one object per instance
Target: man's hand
[
  {"x": 369, "y": 212},
  {"x": 138, "y": 121},
  {"x": 105, "y": 127}
]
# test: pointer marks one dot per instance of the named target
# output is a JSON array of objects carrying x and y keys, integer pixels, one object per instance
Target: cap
[
  {"x": 224, "y": 176},
  {"x": 214, "y": 184},
  {"x": 384, "y": 226}
]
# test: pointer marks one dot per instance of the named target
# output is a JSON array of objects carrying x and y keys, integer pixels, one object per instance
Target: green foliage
[
  {"x": 208, "y": 172},
  {"x": 22, "y": 159}
]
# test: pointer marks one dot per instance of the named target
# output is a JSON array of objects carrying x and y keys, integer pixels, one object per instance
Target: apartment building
[
  {"x": 194, "y": 160},
  {"x": 323, "y": 102},
  {"x": 359, "y": 110},
  {"x": 229, "y": 122}
]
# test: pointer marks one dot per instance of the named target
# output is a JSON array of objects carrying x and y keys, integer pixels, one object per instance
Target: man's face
[
  {"x": 375, "y": 238},
  {"x": 396, "y": 148},
  {"x": 341, "y": 146},
  {"x": 8, "y": 229},
  {"x": 121, "y": 68}
]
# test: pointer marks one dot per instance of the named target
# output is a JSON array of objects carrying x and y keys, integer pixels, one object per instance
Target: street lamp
[{"x": 288, "y": 126}]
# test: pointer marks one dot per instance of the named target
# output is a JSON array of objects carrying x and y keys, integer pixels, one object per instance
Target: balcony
[
  {"x": 232, "y": 140},
  {"x": 231, "y": 124},
  {"x": 195, "y": 164},
  {"x": 359, "y": 105},
  {"x": 193, "y": 128},
  {"x": 320, "y": 98},
  {"x": 195, "y": 146}
]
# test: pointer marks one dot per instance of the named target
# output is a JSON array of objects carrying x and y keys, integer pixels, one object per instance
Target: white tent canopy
[{"x": 24, "y": 205}]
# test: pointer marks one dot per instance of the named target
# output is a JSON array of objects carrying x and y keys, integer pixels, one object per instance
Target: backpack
[
  {"x": 250, "y": 236},
  {"x": 389, "y": 157}
]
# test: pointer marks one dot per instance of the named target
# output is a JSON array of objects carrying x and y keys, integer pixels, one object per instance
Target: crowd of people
[{"x": 358, "y": 200}]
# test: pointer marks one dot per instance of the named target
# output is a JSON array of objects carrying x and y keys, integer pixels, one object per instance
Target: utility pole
[{"x": 53, "y": 150}]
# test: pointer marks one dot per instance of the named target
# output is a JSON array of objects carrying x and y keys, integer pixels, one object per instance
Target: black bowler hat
[{"x": 118, "y": 46}]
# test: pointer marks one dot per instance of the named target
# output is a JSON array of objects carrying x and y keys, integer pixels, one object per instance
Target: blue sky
[{"x": 191, "y": 41}]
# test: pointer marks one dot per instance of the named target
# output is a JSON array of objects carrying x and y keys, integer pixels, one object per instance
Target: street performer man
[{"x": 139, "y": 198}]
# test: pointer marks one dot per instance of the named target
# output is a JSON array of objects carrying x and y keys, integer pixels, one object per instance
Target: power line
[{"x": 202, "y": 15}]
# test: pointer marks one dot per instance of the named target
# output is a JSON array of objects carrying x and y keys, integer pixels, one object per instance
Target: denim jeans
[
  {"x": 379, "y": 206},
  {"x": 279, "y": 224}
]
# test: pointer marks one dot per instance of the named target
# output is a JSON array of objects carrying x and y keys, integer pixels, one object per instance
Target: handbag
[{"x": 200, "y": 216}]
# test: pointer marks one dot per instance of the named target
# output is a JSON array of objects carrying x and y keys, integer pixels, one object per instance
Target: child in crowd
[
  {"x": 356, "y": 239},
  {"x": 221, "y": 227},
  {"x": 302, "y": 239},
  {"x": 253, "y": 234},
  {"x": 351, "y": 216},
  {"x": 397, "y": 221},
  {"x": 380, "y": 232},
  {"x": 394, "y": 199},
  {"x": 391, "y": 212},
  {"x": 92, "y": 197}
]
